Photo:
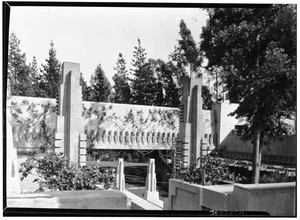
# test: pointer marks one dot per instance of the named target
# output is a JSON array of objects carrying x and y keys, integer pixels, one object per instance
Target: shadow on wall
[{"x": 283, "y": 151}]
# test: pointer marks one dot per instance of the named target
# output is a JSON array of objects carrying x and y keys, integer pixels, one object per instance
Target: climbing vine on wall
[{"x": 33, "y": 123}]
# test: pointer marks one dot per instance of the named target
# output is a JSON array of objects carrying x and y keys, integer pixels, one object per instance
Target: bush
[
  {"x": 218, "y": 170},
  {"x": 58, "y": 173}
]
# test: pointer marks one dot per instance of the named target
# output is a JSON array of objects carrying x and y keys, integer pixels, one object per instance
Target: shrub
[
  {"x": 219, "y": 169},
  {"x": 59, "y": 174}
]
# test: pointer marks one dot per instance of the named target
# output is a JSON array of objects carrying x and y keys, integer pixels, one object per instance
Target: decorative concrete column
[
  {"x": 12, "y": 170},
  {"x": 191, "y": 129},
  {"x": 151, "y": 193},
  {"x": 120, "y": 174},
  {"x": 69, "y": 137}
]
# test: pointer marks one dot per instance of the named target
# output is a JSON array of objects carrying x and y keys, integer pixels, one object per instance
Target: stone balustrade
[{"x": 127, "y": 139}]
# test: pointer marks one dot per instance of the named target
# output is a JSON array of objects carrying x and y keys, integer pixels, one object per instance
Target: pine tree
[
  {"x": 35, "y": 78},
  {"x": 86, "y": 90},
  {"x": 100, "y": 86},
  {"x": 122, "y": 92},
  {"x": 50, "y": 79},
  {"x": 18, "y": 71},
  {"x": 186, "y": 56},
  {"x": 171, "y": 91},
  {"x": 144, "y": 82}
]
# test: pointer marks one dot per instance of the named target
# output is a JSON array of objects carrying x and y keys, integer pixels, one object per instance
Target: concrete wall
[
  {"x": 122, "y": 126},
  {"x": 280, "y": 151},
  {"x": 107, "y": 125},
  {"x": 87, "y": 199},
  {"x": 224, "y": 123},
  {"x": 283, "y": 151},
  {"x": 278, "y": 199}
]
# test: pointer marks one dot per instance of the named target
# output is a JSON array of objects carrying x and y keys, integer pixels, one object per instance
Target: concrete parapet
[
  {"x": 86, "y": 199},
  {"x": 278, "y": 199},
  {"x": 137, "y": 203}
]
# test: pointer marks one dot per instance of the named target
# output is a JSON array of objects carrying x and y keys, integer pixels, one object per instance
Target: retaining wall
[{"x": 278, "y": 199}]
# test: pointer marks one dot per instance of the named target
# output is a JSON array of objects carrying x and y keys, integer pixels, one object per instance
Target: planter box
[
  {"x": 186, "y": 196},
  {"x": 278, "y": 199}
]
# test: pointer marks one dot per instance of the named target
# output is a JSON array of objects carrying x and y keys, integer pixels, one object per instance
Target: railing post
[{"x": 120, "y": 174}]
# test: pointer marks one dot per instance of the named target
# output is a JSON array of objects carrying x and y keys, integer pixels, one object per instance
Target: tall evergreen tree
[
  {"x": 86, "y": 90},
  {"x": 186, "y": 62},
  {"x": 18, "y": 70},
  {"x": 187, "y": 56},
  {"x": 100, "y": 86},
  {"x": 257, "y": 49},
  {"x": 35, "y": 78},
  {"x": 144, "y": 83},
  {"x": 122, "y": 89},
  {"x": 171, "y": 91},
  {"x": 50, "y": 79}
]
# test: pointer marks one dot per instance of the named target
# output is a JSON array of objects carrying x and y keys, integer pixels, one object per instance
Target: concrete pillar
[
  {"x": 69, "y": 137},
  {"x": 120, "y": 174},
  {"x": 191, "y": 128},
  {"x": 12, "y": 171}
]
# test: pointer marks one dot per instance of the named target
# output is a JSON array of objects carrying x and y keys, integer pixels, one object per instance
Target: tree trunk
[{"x": 257, "y": 150}]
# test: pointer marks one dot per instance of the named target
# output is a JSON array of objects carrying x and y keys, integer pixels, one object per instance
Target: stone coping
[
  {"x": 225, "y": 189},
  {"x": 266, "y": 185},
  {"x": 139, "y": 203}
]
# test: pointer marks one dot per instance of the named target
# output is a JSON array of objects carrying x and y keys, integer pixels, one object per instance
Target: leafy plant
[
  {"x": 218, "y": 169},
  {"x": 58, "y": 173}
]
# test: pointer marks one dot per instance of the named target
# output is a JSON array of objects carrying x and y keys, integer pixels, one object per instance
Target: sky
[{"x": 96, "y": 35}]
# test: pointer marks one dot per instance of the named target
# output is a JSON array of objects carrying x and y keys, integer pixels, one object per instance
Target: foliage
[
  {"x": 35, "y": 127},
  {"x": 86, "y": 90},
  {"x": 50, "y": 79},
  {"x": 19, "y": 75},
  {"x": 186, "y": 62},
  {"x": 100, "y": 86},
  {"x": 59, "y": 174},
  {"x": 143, "y": 85},
  {"x": 121, "y": 87},
  {"x": 187, "y": 57},
  {"x": 168, "y": 93},
  {"x": 259, "y": 67},
  {"x": 216, "y": 171},
  {"x": 113, "y": 155},
  {"x": 219, "y": 170}
]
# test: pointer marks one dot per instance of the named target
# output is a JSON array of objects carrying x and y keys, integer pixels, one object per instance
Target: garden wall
[
  {"x": 123, "y": 126},
  {"x": 87, "y": 199},
  {"x": 107, "y": 125},
  {"x": 278, "y": 199},
  {"x": 283, "y": 151}
]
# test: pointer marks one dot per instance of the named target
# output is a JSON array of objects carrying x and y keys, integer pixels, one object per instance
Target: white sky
[{"x": 90, "y": 36}]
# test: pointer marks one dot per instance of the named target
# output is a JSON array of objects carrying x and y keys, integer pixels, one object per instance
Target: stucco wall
[
  {"x": 278, "y": 199},
  {"x": 100, "y": 120}
]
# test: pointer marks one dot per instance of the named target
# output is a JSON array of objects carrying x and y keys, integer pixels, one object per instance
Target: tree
[
  {"x": 18, "y": 70},
  {"x": 187, "y": 56},
  {"x": 257, "y": 49},
  {"x": 50, "y": 79},
  {"x": 86, "y": 90},
  {"x": 144, "y": 90},
  {"x": 122, "y": 89},
  {"x": 100, "y": 86},
  {"x": 170, "y": 93},
  {"x": 186, "y": 62}
]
